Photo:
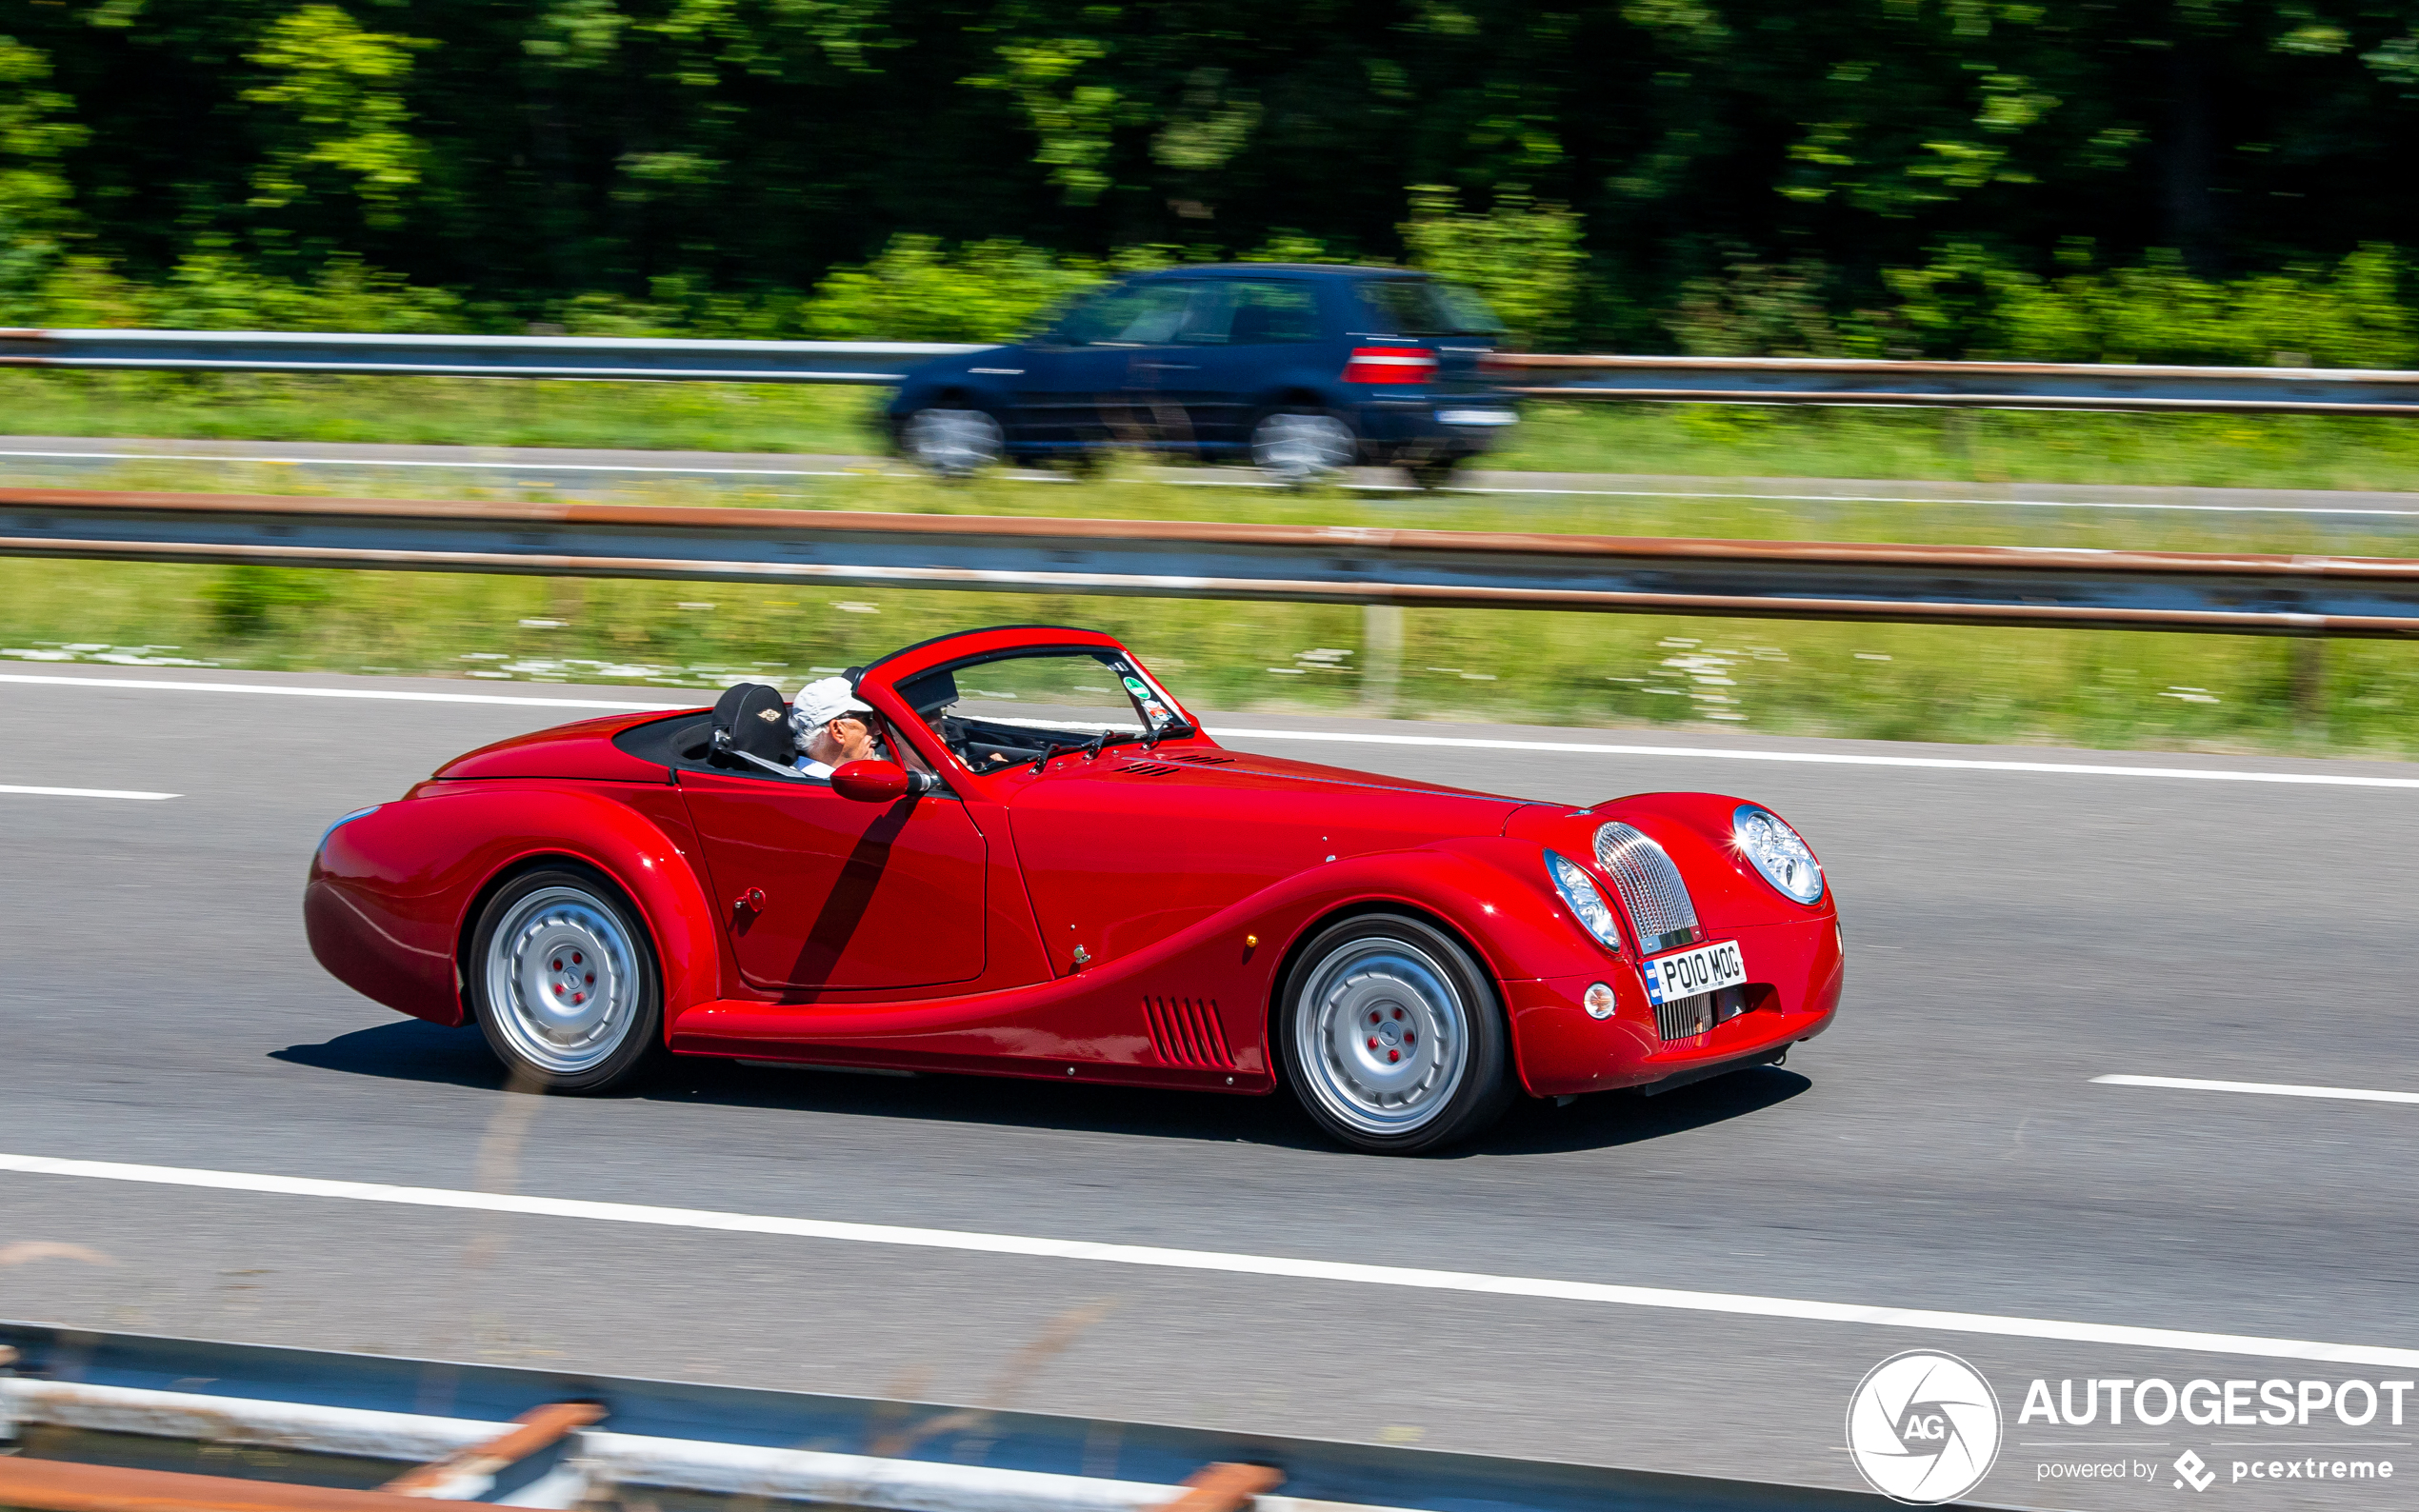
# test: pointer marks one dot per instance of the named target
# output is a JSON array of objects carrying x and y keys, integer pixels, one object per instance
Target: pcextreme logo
[{"x": 1923, "y": 1427}]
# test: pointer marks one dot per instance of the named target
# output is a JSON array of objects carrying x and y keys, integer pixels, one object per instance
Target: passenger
[{"x": 833, "y": 727}]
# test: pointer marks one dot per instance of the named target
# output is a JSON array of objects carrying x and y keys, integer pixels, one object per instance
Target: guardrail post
[
  {"x": 1381, "y": 657},
  {"x": 2309, "y": 684}
]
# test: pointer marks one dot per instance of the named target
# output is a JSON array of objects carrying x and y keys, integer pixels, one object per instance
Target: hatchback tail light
[{"x": 1390, "y": 365}]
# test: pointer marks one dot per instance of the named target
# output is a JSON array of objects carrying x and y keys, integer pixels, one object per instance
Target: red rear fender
[{"x": 391, "y": 894}]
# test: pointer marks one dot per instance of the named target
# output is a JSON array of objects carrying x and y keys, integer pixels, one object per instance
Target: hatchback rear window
[{"x": 1422, "y": 307}]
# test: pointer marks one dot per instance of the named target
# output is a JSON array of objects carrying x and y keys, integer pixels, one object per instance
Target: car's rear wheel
[
  {"x": 952, "y": 441},
  {"x": 565, "y": 982},
  {"x": 1391, "y": 1036},
  {"x": 1303, "y": 445}
]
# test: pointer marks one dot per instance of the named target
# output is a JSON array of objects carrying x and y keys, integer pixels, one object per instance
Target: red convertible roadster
[{"x": 1060, "y": 875}]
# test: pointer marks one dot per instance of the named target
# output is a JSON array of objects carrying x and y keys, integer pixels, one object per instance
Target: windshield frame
[{"x": 1175, "y": 724}]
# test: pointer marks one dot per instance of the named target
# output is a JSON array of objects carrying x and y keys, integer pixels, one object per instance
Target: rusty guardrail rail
[
  {"x": 1967, "y": 385},
  {"x": 1698, "y": 380},
  {"x": 2233, "y": 592},
  {"x": 329, "y": 1412},
  {"x": 344, "y": 352}
]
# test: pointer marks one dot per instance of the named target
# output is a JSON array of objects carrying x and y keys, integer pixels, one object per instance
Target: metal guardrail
[
  {"x": 722, "y": 1441},
  {"x": 2238, "y": 593},
  {"x": 1968, "y": 385},
  {"x": 343, "y": 354},
  {"x": 1699, "y": 380}
]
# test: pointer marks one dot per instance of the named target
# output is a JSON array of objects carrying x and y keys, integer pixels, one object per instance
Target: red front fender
[{"x": 391, "y": 893}]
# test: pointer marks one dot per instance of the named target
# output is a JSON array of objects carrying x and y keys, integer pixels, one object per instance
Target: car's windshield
[
  {"x": 1011, "y": 708},
  {"x": 1423, "y": 307}
]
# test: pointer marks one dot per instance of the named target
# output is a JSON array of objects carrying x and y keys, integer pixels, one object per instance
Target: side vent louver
[{"x": 1185, "y": 1032}]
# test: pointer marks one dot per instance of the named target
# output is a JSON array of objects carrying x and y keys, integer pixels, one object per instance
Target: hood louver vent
[
  {"x": 1185, "y": 1032},
  {"x": 1148, "y": 770},
  {"x": 1201, "y": 758}
]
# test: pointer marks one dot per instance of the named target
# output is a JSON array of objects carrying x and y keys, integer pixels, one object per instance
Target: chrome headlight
[
  {"x": 1778, "y": 853},
  {"x": 1586, "y": 899}
]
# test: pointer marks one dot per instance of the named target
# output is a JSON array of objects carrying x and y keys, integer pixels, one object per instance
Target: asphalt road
[{"x": 2011, "y": 935}]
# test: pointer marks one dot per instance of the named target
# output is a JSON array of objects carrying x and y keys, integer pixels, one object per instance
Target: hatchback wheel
[
  {"x": 952, "y": 443},
  {"x": 1390, "y": 1037},
  {"x": 1303, "y": 445},
  {"x": 565, "y": 982}
]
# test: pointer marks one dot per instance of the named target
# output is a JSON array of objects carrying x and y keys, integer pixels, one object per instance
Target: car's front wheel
[
  {"x": 953, "y": 442},
  {"x": 1391, "y": 1036},
  {"x": 565, "y": 982},
  {"x": 1302, "y": 446}
]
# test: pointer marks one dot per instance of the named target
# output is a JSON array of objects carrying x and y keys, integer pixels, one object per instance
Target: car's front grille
[
  {"x": 1685, "y": 1017},
  {"x": 1659, "y": 906}
]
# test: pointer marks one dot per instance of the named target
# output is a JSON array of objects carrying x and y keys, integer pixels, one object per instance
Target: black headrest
[
  {"x": 930, "y": 693},
  {"x": 750, "y": 717}
]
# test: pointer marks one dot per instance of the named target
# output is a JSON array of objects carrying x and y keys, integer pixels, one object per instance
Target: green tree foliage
[
  {"x": 2128, "y": 178},
  {"x": 1525, "y": 258},
  {"x": 36, "y": 133}
]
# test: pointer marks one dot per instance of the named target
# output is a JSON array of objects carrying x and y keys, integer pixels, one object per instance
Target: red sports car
[{"x": 1059, "y": 874}]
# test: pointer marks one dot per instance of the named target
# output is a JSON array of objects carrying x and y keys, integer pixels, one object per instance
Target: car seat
[{"x": 751, "y": 725}]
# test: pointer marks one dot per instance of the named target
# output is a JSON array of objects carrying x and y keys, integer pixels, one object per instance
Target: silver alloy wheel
[
  {"x": 1299, "y": 448},
  {"x": 562, "y": 980},
  {"x": 1383, "y": 1036},
  {"x": 953, "y": 442}
]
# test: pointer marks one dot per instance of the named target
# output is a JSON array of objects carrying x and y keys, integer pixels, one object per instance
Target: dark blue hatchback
[{"x": 1300, "y": 369}]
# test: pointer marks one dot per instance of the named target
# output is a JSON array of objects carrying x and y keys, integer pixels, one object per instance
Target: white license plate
[
  {"x": 1687, "y": 973},
  {"x": 1476, "y": 417}
]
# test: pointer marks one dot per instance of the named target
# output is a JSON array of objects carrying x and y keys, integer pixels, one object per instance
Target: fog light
[{"x": 1598, "y": 1000}]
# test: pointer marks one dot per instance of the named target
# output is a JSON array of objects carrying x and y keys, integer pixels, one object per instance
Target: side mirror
[{"x": 873, "y": 781}]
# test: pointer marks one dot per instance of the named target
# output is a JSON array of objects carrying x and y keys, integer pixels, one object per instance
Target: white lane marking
[
  {"x": 387, "y": 695},
  {"x": 2189, "y": 1084},
  {"x": 1831, "y": 758},
  {"x": 86, "y": 792},
  {"x": 1204, "y": 1259},
  {"x": 1338, "y": 737}
]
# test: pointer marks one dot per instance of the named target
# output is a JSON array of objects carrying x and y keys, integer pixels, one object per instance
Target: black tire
[
  {"x": 953, "y": 439},
  {"x": 1303, "y": 445},
  {"x": 564, "y": 937},
  {"x": 1431, "y": 472},
  {"x": 1392, "y": 1036}
]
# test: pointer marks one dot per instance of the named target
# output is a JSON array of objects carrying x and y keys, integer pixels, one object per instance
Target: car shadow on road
[
  {"x": 416, "y": 1051},
  {"x": 1604, "y": 1119}
]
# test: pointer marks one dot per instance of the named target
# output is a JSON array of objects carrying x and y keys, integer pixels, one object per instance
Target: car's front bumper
[{"x": 1795, "y": 974}]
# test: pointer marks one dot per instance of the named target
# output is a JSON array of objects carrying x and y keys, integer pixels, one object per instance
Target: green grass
[
  {"x": 2089, "y": 689},
  {"x": 2104, "y": 689},
  {"x": 1687, "y": 440},
  {"x": 1128, "y": 490}
]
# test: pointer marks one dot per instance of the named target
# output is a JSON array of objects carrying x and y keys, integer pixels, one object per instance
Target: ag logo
[{"x": 1923, "y": 1427}]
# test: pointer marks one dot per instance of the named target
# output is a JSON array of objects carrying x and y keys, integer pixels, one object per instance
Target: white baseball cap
[{"x": 821, "y": 701}]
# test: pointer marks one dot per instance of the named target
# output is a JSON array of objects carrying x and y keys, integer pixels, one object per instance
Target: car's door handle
[{"x": 1168, "y": 366}]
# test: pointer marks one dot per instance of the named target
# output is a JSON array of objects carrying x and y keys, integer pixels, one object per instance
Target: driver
[{"x": 833, "y": 727}]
